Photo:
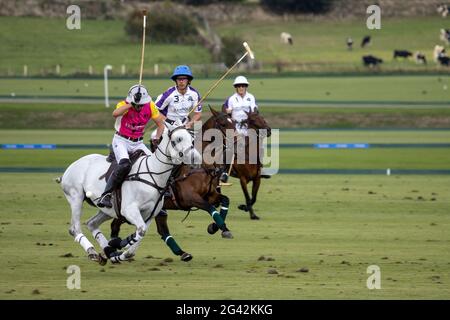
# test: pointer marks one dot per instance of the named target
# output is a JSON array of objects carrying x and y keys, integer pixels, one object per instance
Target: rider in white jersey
[{"x": 237, "y": 105}]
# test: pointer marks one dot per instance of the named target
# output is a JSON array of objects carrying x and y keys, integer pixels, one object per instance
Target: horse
[
  {"x": 142, "y": 192},
  {"x": 247, "y": 171},
  {"x": 194, "y": 188}
]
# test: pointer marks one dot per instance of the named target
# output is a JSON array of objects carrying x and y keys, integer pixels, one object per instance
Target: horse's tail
[{"x": 58, "y": 179}]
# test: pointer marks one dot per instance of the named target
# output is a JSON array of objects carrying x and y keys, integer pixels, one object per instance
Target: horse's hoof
[
  {"x": 227, "y": 235},
  {"x": 102, "y": 259},
  {"x": 186, "y": 257},
  {"x": 109, "y": 251},
  {"x": 254, "y": 217},
  {"x": 115, "y": 257},
  {"x": 243, "y": 207},
  {"x": 212, "y": 228},
  {"x": 115, "y": 243},
  {"x": 94, "y": 257}
]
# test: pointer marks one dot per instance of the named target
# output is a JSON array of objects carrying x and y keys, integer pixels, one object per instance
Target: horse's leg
[
  {"x": 130, "y": 244},
  {"x": 115, "y": 227},
  {"x": 75, "y": 199},
  {"x": 255, "y": 188},
  {"x": 224, "y": 203},
  {"x": 248, "y": 200},
  {"x": 205, "y": 205},
  {"x": 93, "y": 225},
  {"x": 163, "y": 230}
]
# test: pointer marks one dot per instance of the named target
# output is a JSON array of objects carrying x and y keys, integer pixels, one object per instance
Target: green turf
[
  {"x": 377, "y": 89},
  {"x": 286, "y": 136},
  {"x": 297, "y": 158},
  {"x": 336, "y": 226},
  {"x": 404, "y": 158}
]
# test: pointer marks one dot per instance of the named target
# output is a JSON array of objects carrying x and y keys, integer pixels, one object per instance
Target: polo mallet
[
  {"x": 248, "y": 51},
  {"x": 137, "y": 96}
]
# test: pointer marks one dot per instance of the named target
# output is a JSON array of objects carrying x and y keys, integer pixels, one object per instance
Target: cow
[
  {"x": 443, "y": 9},
  {"x": 349, "y": 43},
  {"x": 445, "y": 35},
  {"x": 402, "y": 53},
  {"x": 439, "y": 51},
  {"x": 420, "y": 58},
  {"x": 365, "y": 41},
  {"x": 371, "y": 61},
  {"x": 440, "y": 56},
  {"x": 286, "y": 38},
  {"x": 444, "y": 61}
]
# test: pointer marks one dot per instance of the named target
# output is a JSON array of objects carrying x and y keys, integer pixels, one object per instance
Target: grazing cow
[
  {"x": 402, "y": 54},
  {"x": 444, "y": 61},
  {"x": 440, "y": 56},
  {"x": 443, "y": 9},
  {"x": 371, "y": 61},
  {"x": 420, "y": 58},
  {"x": 365, "y": 41},
  {"x": 439, "y": 51},
  {"x": 445, "y": 35},
  {"x": 349, "y": 43},
  {"x": 286, "y": 38}
]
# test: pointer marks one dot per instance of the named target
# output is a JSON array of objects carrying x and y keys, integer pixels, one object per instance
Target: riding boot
[
  {"x": 114, "y": 181},
  {"x": 105, "y": 199}
]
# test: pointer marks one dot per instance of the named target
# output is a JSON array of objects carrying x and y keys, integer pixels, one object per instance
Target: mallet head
[{"x": 250, "y": 52}]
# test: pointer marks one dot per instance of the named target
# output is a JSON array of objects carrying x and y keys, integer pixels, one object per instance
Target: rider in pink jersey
[{"x": 132, "y": 116}]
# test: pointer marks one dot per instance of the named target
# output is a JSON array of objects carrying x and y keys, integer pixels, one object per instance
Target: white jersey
[
  {"x": 239, "y": 105},
  {"x": 175, "y": 105}
]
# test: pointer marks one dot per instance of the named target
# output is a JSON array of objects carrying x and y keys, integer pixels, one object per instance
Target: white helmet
[
  {"x": 138, "y": 94},
  {"x": 240, "y": 80}
]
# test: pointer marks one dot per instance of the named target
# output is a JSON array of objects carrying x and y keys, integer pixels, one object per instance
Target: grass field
[
  {"x": 306, "y": 102},
  {"x": 335, "y": 226},
  {"x": 318, "y": 45},
  {"x": 350, "y": 89},
  {"x": 290, "y": 158}
]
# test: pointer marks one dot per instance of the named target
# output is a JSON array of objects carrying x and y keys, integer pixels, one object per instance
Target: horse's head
[
  {"x": 257, "y": 122},
  {"x": 180, "y": 145},
  {"x": 219, "y": 120}
]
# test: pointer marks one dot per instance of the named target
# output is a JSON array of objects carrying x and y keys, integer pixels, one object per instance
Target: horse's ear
[{"x": 214, "y": 112}]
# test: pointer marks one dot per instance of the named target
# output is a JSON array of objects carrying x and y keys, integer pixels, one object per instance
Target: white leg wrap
[
  {"x": 101, "y": 239},
  {"x": 83, "y": 241}
]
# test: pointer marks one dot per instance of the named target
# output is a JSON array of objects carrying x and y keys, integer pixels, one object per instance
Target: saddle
[
  {"x": 117, "y": 193},
  {"x": 112, "y": 159}
]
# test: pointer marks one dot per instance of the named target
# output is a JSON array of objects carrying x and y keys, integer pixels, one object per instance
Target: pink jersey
[{"x": 132, "y": 123}]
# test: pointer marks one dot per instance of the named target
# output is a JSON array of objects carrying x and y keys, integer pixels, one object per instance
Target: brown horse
[
  {"x": 192, "y": 188},
  {"x": 250, "y": 172}
]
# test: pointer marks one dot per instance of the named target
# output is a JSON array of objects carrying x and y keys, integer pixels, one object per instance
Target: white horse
[{"x": 142, "y": 191}]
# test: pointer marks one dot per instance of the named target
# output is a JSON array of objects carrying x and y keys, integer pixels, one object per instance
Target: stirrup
[
  {"x": 105, "y": 201},
  {"x": 225, "y": 184}
]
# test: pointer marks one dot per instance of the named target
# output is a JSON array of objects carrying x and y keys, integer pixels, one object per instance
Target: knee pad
[{"x": 123, "y": 168}]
